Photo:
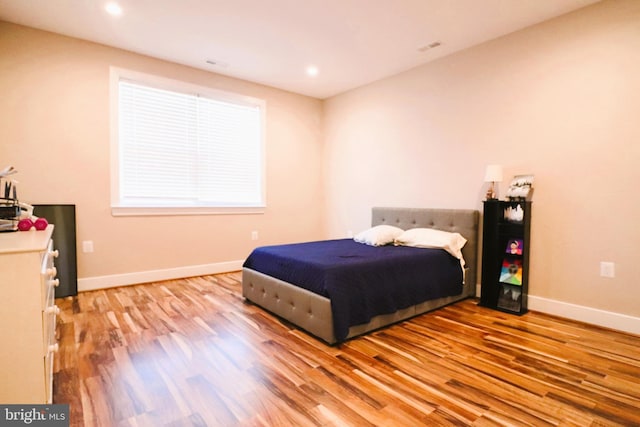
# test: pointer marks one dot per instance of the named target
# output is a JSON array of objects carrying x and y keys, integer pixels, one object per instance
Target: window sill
[{"x": 178, "y": 211}]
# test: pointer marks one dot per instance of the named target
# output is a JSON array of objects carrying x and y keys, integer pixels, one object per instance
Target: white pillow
[
  {"x": 431, "y": 238},
  {"x": 379, "y": 235}
]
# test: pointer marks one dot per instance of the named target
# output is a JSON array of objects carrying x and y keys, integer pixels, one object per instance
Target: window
[{"x": 178, "y": 148}]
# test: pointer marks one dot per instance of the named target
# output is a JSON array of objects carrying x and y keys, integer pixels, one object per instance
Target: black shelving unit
[{"x": 505, "y": 255}]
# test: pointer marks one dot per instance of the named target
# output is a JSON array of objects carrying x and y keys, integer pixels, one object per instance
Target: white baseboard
[
  {"x": 594, "y": 316},
  {"x": 111, "y": 281}
]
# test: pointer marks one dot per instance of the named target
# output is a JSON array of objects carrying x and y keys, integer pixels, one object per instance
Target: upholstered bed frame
[{"x": 312, "y": 312}]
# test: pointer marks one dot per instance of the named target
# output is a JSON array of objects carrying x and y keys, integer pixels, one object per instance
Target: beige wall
[
  {"x": 54, "y": 128},
  {"x": 560, "y": 100}
]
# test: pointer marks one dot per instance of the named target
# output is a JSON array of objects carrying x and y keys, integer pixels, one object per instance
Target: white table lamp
[{"x": 493, "y": 174}]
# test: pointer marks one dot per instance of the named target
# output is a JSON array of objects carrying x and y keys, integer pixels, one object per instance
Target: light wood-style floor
[{"x": 192, "y": 353}]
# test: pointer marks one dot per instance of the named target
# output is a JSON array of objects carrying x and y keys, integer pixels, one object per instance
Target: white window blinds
[{"x": 184, "y": 150}]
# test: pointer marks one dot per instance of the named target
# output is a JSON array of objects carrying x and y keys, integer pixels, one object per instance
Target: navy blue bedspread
[{"x": 361, "y": 281}]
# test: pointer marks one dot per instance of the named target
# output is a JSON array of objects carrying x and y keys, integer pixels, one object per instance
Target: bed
[{"x": 319, "y": 315}]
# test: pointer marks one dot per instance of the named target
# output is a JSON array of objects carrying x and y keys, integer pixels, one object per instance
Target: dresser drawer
[
  {"x": 48, "y": 274},
  {"x": 50, "y": 347},
  {"x": 49, "y": 327},
  {"x": 48, "y": 377}
]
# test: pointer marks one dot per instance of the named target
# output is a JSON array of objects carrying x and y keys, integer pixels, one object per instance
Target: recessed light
[
  {"x": 113, "y": 9},
  {"x": 312, "y": 70}
]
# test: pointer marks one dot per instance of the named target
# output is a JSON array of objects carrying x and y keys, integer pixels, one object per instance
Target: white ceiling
[{"x": 352, "y": 42}]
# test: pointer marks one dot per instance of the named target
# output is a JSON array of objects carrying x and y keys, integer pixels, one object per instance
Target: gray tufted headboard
[{"x": 463, "y": 221}]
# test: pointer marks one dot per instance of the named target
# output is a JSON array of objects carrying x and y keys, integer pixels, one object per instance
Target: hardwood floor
[{"x": 192, "y": 353}]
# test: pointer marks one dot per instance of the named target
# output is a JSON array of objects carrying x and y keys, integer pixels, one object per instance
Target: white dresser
[{"x": 27, "y": 316}]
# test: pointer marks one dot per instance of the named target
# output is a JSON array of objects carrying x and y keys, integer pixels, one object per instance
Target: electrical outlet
[
  {"x": 254, "y": 235},
  {"x": 87, "y": 246},
  {"x": 607, "y": 269}
]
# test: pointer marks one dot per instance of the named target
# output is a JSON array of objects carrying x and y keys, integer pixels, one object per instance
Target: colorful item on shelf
[
  {"x": 511, "y": 272},
  {"x": 514, "y": 247}
]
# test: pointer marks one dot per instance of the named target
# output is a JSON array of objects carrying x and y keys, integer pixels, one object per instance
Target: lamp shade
[{"x": 493, "y": 173}]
